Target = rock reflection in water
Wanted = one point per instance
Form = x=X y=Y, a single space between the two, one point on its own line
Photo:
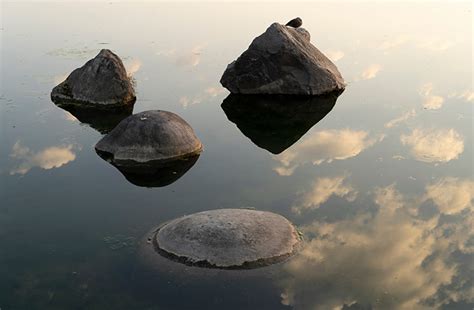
x=101 y=120
x=154 y=173
x=275 y=122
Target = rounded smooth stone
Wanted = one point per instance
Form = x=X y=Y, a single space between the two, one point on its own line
x=227 y=239
x=150 y=136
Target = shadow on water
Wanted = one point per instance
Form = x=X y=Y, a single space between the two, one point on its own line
x=153 y=174
x=101 y=120
x=276 y=122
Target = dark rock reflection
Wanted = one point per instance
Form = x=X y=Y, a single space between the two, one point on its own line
x=153 y=174
x=276 y=122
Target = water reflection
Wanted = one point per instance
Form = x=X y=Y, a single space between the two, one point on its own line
x=48 y=158
x=275 y=123
x=101 y=120
x=325 y=146
x=154 y=174
x=434 y=146
x=391 y=258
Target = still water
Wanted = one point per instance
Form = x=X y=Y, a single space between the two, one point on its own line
x=380 y=183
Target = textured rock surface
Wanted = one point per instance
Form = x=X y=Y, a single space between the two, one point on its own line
x=148 y=138
x=282 y=61
x=227 y=238
x=275 y=122
x=102 y=82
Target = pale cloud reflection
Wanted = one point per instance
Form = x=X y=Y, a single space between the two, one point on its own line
x=132 y=66
x=467 y=95
x=435 y=44
x=324 y=146
x=48 y=158
x=190 y=58
x=210 y=92
x=322 y=190
x=390 y=259
x=370 y=72
x=334 y=55
x=451 y=195
x=402 y=118
x=430 y=101
x=434 y=146
x=394 y=42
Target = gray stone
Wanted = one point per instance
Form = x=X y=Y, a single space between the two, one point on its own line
x=147 y=138
x=282 y=61
x=227 y=239
x=101 y=83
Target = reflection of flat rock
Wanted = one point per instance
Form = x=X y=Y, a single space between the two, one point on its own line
x=156 y=174
x=276 y=122
x=101 y=83
x=226 y=238
x=282 y=61
x=101 y=120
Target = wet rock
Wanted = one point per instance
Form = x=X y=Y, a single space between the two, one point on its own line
x=101 y=83
x=275 y=122
x=101 y=120
x=226 y=239
x=282 y=61
x=150 y=138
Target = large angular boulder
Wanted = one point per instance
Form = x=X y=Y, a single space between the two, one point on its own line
x=148 y=139
x=282 y=61
x=101 y=83
x=276 y=122
x=225 y=239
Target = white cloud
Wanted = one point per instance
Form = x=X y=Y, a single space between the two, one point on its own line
x=451 y=195
x=430 y=101
x=334 y=55
x=48 y=158
x=371 y=72
x=190 y=58
x=324 y=146
x=396 y=121
x=322 y=190
x=434 y=146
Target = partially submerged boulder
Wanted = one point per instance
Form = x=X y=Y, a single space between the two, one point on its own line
x=275 y=122
x=101 y=83
x=282 y=61
x=148 y=139
x=226 y=239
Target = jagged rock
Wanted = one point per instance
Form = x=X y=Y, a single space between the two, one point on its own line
x=101 y=83
x=282 y=61
x=275 y=122
x=226 y=239
x=149 y=138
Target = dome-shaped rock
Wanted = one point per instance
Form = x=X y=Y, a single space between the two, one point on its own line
x=101 y=83
x=149 y=138
x=282 y=61
x=226 y=239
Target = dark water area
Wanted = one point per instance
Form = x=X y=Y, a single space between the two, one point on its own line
x=379 y=180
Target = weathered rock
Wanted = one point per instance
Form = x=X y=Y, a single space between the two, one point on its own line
x=101 y=83
x=282 y=61
x=147 y=139
x=275 y=122
x=156 y=173
x=226 y=239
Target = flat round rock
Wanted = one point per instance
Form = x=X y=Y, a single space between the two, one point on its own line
x=149 y=136
x=227 y=239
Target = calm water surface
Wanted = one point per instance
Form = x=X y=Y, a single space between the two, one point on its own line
x=381 y=183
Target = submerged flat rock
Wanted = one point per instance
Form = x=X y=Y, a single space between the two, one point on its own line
x=101 y=83
x=149 y=138
x=227 y=239
x=282 y=61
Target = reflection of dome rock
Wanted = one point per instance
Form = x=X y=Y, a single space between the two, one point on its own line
x=101 y=120
x=225 y=239
x=101 y=83
x=149 y=136
x=282 y=61
x=157 y=174
x=274 y=122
